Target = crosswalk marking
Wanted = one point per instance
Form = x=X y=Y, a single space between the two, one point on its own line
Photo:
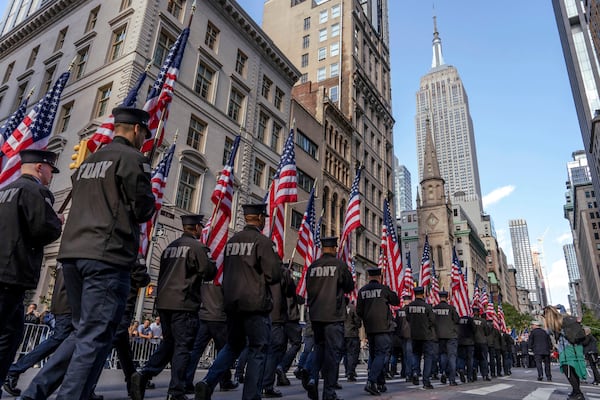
x=488 y=389
x=540 y=394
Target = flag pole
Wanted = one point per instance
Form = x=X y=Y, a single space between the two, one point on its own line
x=157 y=135
x=193 y=11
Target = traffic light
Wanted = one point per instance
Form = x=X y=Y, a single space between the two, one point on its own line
x=150 y=290
x=81 y=152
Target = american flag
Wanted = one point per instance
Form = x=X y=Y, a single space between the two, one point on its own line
x=284 y=189
x=476 y=296
x=351 y=220
x=353 y=295
x=105 y=132
x=33 y=131
x=425 y=277
x=501 y=319
x=490 y=313
x=13 y=121
x=460 y=291
x=216 y=231
x=306 y=242
x=159 y=181
x=484 y=298
x=161 y=94
x=434 y=293
x=318 y=238
x=391 y=250
x=408 y=283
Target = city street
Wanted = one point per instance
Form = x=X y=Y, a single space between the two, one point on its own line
x=522 y=384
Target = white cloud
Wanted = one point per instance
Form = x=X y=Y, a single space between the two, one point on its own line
x=497 y=194
x=565 y=238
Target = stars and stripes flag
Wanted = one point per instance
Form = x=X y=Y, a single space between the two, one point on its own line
x=318 y=249
x=32 y=132
x=306 y=242
x=484 y=298
x=351 y=220
x=490 y=313
x=158 y=180
x=284 y=189
x=408 y=283
x=216 y=231
x=425 y=277
x=476 y=297
x=434 y=293
x=460 y=290
x=391 y=250
x=13 y=121
x=160 y=96
x=106 y=132
x=501 y=319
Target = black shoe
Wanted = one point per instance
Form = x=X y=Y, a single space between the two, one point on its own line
x=352 y=377
x=500 y=375
x=282 y=380
x=371 y=388
x=540 y=378
x=95 y=396
x=334 y=397
x=228 y=385
x=487 y=378
x=549 y=379
x=271 y=393
x=150 y=385
x=298 y=373
x=462 y=376
x=453 y=384
x=443 y=379
x=189 y=389
x=434 y=377
x=415 y=380
x=337 y=386
x=311 y=389
x=138 y=386
x=10 y=385
x=305 y=379
x=428 y=386
x=202 y=391
x=578 y=396
x=177 y=397
x=381 y=387
x=239 y=379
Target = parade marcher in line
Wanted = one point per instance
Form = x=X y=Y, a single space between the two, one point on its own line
x=28 y=224
x=446 y=326
x=97 y=251
x=509 y=345
x=590 y=349
x=373 y=307
x=491 y=349
x=352 y=325
x=405 y=339
x=499 y=348
x=396 y=356
x=281 y=291
x=327 y=280
x=305 y=359
x=524 y=351
x=481 y=332
x=293 y=334
x=541 y=346
x=184 y=264
x=421 y=318
x=250 y=267
x=466 y=348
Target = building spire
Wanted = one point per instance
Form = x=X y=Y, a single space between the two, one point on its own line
x=438 y=58
x=431 y=165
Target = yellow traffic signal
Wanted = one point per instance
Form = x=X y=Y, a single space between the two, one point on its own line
x=81 y=152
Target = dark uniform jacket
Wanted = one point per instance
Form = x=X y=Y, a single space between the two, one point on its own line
x=184 y=264
x=293 y=308
x=28 y=223
x=60 y=304
x=590 y=344
x=498 y=342
x=490 y=333
x=404 y=325
x=539 y=342
x=466 y=331
x=509 y=342
x=250 y=267
x=352 y=323
x=481 y=330
x=421 y=318
x=111 y=197
x=327 y=279
x=213 y=306
x=282 y=291
x=446 y=321
x=373 y=306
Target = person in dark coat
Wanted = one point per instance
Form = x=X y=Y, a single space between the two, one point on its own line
x=523 y=349
x=466 y=348
x=293 y=334
x=250 y=267
x=421 y=318
x=184 y=264
x=481 y=345
x=28 y=224
x=540 y=344
x=590 y=349
x=373 y=307
x=405 y=340
x=446 y=326
x=509 y=345
x=352 y=325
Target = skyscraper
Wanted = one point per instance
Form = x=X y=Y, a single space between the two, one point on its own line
x=521 y=246
x=574 y=277
x=17 y=11
x=402 y=187
x=443 y=100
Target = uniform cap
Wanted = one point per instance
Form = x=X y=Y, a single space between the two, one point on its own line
x=192 y=219
x=419 y=290
x=329 y=241
x=475 y=308
x=374 y=271
x=39 y=156
x=443 y=293
x=255 y=209
x=407 y=296
x=133 y=116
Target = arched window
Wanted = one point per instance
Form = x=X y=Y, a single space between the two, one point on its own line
x=333 y=215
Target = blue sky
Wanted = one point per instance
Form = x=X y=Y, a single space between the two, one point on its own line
x=510 y=60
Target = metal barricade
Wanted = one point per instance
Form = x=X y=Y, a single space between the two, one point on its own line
x=33 y=335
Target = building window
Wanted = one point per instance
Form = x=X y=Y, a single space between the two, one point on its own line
x=335 y=30
x=334 y=94
x=306 y=23
x=60 y=40
x=236 y=102
x=266 y=87
x=196 y=133
x=102 y=100
x=275 y=135
x=118 y=40
x=323 y=16
x=304 y=62
x=306 y=42
x=227 y=149
x=8 y=72
x=204 y=77
x=272 y=172
x=20 y=94
x=259 y=170
x=212 y=35
x=304 y=78
x=186 y=189
x=175 y=7
x=322 y=53
x=162 y=48
x=334 y=49
x=82 y=57
x=334 y=70
x=296 y=219
x=323 y=35
x=33 y=56
x=307 y=145
x=321 y=74
x=65 y=117
x=92 y=19
x=278 y=100
x=125 y=4
x=240 y=63
x=335 y=11
x=305 y=181
x=49 y=78
x=263 y=120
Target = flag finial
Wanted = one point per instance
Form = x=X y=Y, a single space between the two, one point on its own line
x=31 y=92
x=176 y=134
x=72 y=64
x=148 y=66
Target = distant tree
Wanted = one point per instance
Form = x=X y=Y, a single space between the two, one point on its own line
x=589 y=319
x=516 y=319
